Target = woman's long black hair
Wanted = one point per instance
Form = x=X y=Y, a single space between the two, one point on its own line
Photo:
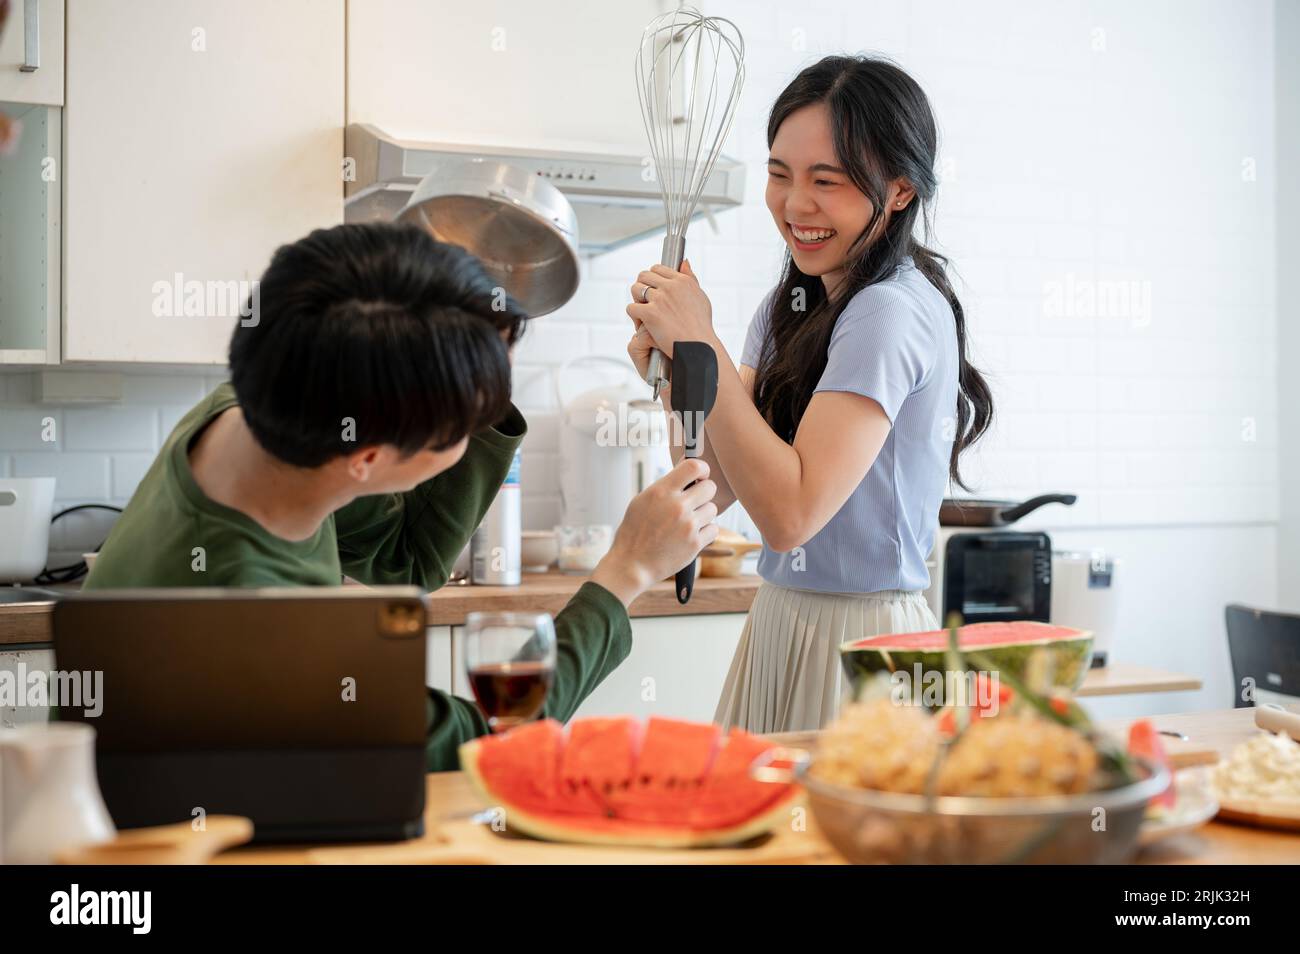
x=883 y=129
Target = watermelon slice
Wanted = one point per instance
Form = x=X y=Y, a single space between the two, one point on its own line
x=536 y=771
x=730 y=796
x=671 y=784
x=1008 y=646
x=1144 y=742
x=596 y=761
x=673 y=764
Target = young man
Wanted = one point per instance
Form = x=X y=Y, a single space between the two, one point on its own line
x=366 y=429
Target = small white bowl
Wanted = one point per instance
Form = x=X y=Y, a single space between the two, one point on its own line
x=538 y=550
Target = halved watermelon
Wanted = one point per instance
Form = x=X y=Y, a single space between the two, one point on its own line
x=1007 y=645
x=669 y=784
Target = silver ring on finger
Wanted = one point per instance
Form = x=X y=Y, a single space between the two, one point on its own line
x=645 y=294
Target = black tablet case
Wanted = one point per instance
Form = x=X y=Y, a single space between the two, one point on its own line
x=235 y=702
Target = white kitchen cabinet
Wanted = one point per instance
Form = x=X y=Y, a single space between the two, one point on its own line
x=22 y=662
x=31 y=53
x=30 y=212
x=199 y=135
x=676 y=668
x=437 y=668
x=459 y=681
x=506 y=73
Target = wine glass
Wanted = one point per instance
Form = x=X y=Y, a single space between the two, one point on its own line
x=510 y=661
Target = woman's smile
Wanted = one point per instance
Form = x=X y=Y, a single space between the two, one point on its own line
x=809 y=238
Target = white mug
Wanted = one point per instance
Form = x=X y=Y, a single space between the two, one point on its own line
x=49 y=794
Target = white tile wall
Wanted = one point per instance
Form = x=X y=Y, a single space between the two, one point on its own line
x=99 y=453
x=1084 y=146
x=1089 y=150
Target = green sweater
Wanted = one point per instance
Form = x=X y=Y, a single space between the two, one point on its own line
x=171 y=534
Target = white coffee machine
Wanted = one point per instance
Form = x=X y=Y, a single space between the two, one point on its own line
x=1084 y=596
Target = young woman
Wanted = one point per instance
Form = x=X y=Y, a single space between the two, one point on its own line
x=854 y=398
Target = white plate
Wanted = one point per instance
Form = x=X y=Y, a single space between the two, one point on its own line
x=1194 y=807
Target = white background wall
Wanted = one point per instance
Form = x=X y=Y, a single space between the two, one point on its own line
x=1086 y=142
x=1288 y=307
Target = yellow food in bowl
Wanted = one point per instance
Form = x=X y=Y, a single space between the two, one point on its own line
x=888 y=747
x=1017 y=755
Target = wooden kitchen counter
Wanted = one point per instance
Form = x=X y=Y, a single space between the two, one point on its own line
x=24 y=623
x=449 y=794
x=1121 y=678
x=29 y=624
x=548 y=592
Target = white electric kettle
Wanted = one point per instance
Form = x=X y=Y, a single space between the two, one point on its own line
x=613 y=443
x=49 y=795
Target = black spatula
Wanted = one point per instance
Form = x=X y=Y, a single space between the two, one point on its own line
x=694 y=389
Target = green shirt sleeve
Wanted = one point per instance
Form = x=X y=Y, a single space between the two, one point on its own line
x=415 y=537
x=593 y=635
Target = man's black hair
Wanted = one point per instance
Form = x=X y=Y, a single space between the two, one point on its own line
x=372 y=334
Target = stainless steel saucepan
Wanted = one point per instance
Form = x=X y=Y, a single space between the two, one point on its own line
x=520 y=226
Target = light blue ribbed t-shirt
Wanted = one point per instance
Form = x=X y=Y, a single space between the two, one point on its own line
x=895 y=342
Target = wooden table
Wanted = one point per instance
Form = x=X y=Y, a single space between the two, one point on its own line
x=1122 y=678
x=449 y=793
x=1218 y=843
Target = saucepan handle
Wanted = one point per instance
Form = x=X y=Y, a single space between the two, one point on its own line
x=1012 y=514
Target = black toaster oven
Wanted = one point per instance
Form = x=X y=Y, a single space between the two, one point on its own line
x=996 y=576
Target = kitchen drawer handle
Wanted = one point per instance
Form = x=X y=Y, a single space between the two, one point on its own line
x=31 y=36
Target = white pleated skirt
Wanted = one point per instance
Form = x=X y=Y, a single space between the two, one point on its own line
x=786 y=674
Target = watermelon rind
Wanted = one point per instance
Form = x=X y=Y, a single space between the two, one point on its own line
x=598 y=830
x=1071 y=655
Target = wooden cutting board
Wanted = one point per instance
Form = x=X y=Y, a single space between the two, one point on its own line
x=178 y=844
x=463 y=841
x=1190 y=753
x=1206 y=742
x=451 y=837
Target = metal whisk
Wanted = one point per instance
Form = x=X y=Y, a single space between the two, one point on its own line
x=689 y=72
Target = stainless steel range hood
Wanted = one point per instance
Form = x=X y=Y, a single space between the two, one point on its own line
x=614 y=201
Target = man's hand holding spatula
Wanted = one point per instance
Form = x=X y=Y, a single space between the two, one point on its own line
x=693 y=372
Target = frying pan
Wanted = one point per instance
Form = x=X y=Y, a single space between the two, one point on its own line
x=518 y=225
x=959 y=512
